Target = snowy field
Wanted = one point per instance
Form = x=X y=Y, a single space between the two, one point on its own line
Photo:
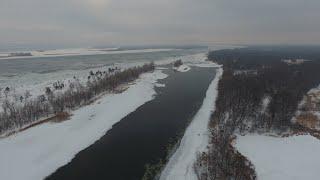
x=34 y=84
x=90 y=51
x=40 y=150
x=75 y=52
x=195 y=139
x=37 y=152
x=291 y=158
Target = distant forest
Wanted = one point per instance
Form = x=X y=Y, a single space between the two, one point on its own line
x=259 y=92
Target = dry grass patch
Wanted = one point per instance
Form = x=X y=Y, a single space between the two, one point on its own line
x=60 y=117
x=308 y=120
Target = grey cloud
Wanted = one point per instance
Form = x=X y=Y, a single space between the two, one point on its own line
x=96 y=22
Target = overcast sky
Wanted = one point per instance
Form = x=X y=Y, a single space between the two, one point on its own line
x=120 y=22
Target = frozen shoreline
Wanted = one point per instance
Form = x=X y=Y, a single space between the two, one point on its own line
x=195 y=139
x=39 y=151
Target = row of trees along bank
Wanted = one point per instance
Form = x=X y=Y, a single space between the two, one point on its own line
x=15 y=117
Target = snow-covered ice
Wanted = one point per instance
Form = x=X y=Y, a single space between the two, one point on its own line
x=192 y=59
x=77 y=52
x=195 y=139
x=37 y=152
x=276 y=158
x=182 y=68
x=36 y=83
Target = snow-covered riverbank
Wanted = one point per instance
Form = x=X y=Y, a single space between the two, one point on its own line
x=182 y=68
x=195 y=139
x=31 y=85
x=39 y=151
x=295 y=157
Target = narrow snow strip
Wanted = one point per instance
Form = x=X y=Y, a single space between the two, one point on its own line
x=39 y=151
x=276 y=158
x=195 y=139
x=206 y=64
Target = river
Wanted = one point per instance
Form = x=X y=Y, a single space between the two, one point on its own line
x=143 y=136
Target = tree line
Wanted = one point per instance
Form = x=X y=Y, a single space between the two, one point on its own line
x=17 y=116
x=239 y=106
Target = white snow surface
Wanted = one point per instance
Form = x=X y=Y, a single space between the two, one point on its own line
x=195 y=139
x=37 y=152
x=182 y=68
x=77 y=52
x=265 y=103
x=36 y=83
x=274 y=158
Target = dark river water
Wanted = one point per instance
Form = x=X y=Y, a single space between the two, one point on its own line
x=142 y=137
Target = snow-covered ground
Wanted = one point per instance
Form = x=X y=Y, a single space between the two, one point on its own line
x=75 y=52
x=308 y=113
x=37 y=152
x=35 y=83
x=182 y=68
x=274 y=158
x=265 y=103
x=195 y=139
x=197 y=59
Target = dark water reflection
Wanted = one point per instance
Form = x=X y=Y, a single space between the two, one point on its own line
x=143 y=135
